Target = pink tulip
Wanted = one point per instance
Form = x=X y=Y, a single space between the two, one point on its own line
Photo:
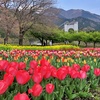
x=33 y=64
x=82 y=74
x=85 y=68
x=3 y=86
x=37 y=77
x=97 y=71
x=22 y=77
x=22 y=65
x=36 y=90
x=49 y=88
x=22 y=96
x=9 y=78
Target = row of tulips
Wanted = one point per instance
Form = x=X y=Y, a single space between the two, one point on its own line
x=56 y=58
x=44 y=81
x=69 y=53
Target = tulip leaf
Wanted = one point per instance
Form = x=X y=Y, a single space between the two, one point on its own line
x=73 y=96
x=62 y=89
x=94 y=83
x=85 y=94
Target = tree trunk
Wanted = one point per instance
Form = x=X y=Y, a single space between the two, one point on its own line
x=46 y=42
x=79 y=43
x=21 y=35
x=94 y=44
x=5 y=41
x=41 y=40
x=6 y=38
x=21 y=39
x=85 y=44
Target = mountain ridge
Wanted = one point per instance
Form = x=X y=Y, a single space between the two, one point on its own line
x=86 y=19
x=74 y=13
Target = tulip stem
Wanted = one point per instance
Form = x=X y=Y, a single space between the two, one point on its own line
x=19 y=87
x=80 y=84
x=47 y=96
x=1 y=97
x=36 y=98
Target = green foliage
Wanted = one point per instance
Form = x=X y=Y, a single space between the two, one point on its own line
x=93 y=37
x=71 y=30
x=2 y=34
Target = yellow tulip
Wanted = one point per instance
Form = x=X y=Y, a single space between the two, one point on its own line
x=0 y=58
x=95 y=60
x=84 y=62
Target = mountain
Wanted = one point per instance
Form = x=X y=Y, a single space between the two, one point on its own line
x=86 y=19
x=74 y=13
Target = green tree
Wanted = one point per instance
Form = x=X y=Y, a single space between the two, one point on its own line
x=42 y=32
x=94 y=37
x=85 y=37
x=71 y=30
x=58 y=35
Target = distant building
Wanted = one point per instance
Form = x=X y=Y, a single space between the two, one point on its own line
x=69 y=25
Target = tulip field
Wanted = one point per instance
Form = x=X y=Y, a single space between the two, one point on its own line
x=50 y=74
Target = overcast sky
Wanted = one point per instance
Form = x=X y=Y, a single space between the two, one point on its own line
x=92 y=6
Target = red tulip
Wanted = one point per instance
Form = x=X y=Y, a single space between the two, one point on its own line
x=43 y=70
x=61 y=74
x=76 y=67
x=69 y=69
x=33 y=64
x=82 y=74
x=3 y=86
x=9 y=78
x=74 y=73
x=37 y=77
x=3 y=65
x=97 y=71
x=22 y=77
x=49 y=88
x=37 y=70
x=14 y=65
x=86 y=68
x=11 y=70
x=22 y=96
x=31 y=71
x=44 y=62
x=48 y=73
x=36 y=90
x=30 y=91
x=53 y=72
x=22 y=65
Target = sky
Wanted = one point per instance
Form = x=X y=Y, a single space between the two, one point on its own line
x=92 y=6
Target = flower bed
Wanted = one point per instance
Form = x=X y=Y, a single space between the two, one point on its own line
x=55 y=47
x=50 y=75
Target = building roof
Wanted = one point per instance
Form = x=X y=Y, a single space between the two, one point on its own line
x=68 y=23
